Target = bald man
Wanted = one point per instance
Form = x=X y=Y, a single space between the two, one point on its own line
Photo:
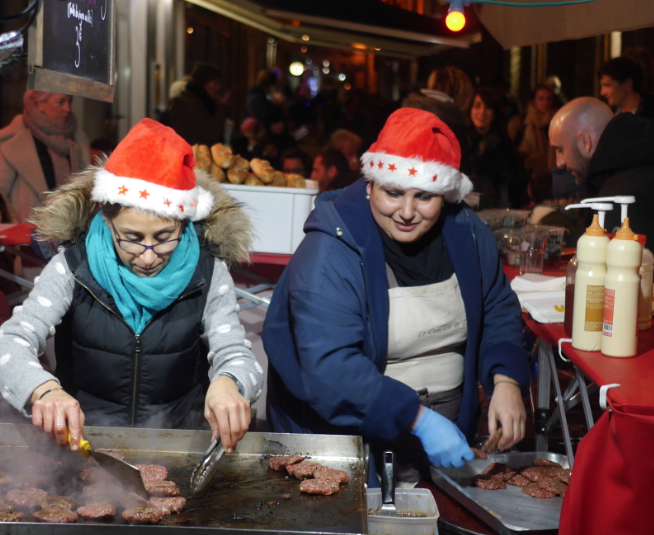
x=611 y=155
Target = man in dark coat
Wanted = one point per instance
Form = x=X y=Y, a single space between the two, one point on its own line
x=613 y=156
x=198 y=115
x=622 y=80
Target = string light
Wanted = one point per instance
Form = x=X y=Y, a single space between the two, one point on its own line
x=456 y=19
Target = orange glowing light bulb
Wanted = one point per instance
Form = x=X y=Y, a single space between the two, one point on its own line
x=455 y=21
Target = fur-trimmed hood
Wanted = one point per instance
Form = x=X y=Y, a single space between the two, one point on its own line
x=67 y=211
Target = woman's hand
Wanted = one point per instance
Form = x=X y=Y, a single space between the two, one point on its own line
x=227 y=412
x=507 y=408
x=57 y=412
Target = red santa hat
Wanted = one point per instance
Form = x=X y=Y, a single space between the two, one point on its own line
x=415 y=149
x=153 y=169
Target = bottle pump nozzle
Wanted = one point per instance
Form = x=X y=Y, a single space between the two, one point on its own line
x=623 y=200
x=601 y=208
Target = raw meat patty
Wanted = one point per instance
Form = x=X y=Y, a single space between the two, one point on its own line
x=56 y=515
x=96 y=511
x=534 y=474
x=518 y=480
x=95 y=476
x=168 y=505
x=143 y=515
x=553 y=485
x=57 y=501
x=479 y=454
x=500 y=471
x=302 y=470
x=152 y=471
x=319 y=486
x=488 y=483
x=155 y=487
x=11 y=517
x=535 y=491
x=545 y=463
x=282 y=461
x=322 y=472
x=26 y=498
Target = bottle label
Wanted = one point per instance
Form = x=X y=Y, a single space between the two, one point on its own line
x=594 y=308
x=609 y=307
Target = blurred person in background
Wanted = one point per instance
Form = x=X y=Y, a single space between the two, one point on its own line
x=39 y=151
x=452 y=85
x=554 y=83
x=349 y=144
x=328 y=166
x=198 y=114
x=534 y=145
x=621 y=80
x=494 y=160
x=258 y=103
x=277 y=140
x=296 y=162
x=644 y=59
x=249 y=143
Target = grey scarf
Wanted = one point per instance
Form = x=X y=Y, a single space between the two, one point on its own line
x=66 y=154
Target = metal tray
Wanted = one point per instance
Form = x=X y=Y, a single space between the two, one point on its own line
x=244 y=494
x=506 y=510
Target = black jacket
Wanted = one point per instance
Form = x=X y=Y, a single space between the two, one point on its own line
x=156 y=379
x=623 y=164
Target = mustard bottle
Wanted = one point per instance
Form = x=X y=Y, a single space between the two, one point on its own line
x=621 y=292
x=589 y=288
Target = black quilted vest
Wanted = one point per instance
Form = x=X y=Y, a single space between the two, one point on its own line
x=156 y=379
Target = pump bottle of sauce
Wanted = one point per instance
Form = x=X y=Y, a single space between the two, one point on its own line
x=589 y=288
x=621 y=292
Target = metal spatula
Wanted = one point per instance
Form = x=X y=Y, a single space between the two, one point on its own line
x=388 y=486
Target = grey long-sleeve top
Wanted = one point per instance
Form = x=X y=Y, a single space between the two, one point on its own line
x=23 y=336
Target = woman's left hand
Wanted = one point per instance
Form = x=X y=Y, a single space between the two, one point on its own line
x=507 y=409
x=227 y=412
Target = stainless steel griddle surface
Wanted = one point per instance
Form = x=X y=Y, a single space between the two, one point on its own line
x=244 y=495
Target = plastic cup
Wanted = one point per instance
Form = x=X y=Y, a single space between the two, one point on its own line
x=531 y=261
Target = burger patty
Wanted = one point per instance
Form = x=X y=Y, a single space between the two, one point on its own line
x=545 y=463
x=152 y=471
x=500 y=471
x=96 y=511
x=302 y=470
x=323 y=472
x=534 y=474
x=535 y=491
x=282 y=461
x=96 y=476
x=325 y=487
x=11 y=517
x=56 y=515
x=564 y=475
x=5 y=507
x=553 y=485
x=154 y=487
x=488 y=483
x=131 y=500
x=168 y=505
x=518 y=480
x=143 y=515
x=26 y=498
x=57 y=501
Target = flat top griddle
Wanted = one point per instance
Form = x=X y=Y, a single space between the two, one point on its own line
x=244 y=494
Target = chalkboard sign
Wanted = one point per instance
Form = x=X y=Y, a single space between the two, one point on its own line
x=71 y=48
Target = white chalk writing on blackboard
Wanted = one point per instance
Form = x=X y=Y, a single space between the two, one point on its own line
x=74 y=12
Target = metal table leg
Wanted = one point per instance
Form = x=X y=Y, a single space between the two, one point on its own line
x=543 y=405
x=560 y=402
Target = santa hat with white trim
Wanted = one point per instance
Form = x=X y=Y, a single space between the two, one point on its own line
x=152 y=169
x=415 y=149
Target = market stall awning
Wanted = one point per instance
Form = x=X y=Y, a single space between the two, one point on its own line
x=372 y=25
x=523 y=26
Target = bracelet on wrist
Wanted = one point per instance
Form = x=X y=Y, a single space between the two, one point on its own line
x=48 y=391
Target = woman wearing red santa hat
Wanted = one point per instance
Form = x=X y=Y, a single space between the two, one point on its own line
x=394 y=307
x=140 y=299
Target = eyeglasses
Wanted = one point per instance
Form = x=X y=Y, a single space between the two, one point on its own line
x=138 y=249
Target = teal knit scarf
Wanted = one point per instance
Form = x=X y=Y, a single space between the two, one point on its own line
x=139 y=298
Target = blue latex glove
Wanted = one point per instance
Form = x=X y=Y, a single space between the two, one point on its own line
x=442 y=440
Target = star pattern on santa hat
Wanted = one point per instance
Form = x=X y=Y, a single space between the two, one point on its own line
x=372 y=164
x=434 y=178
x=391 y=167
x=144 y=194
x=380 y=164
x=167 y=202
x=181 y=207
x=122 y=190
x=413 y=171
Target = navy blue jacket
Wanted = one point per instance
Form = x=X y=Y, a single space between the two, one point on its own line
x=326 y=331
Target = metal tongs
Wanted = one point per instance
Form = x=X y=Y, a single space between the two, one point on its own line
x=207 y=467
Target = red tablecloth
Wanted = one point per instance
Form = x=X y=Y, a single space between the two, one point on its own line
x=18 y=234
